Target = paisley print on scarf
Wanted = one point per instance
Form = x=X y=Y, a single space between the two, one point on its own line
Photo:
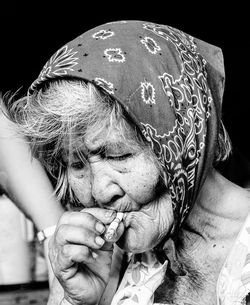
x=147 y=93
x=157 y=73
x=60 y=64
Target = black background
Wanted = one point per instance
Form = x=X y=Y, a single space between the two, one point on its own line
x=32 y=32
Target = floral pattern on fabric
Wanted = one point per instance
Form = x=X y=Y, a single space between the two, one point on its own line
x=140 y=281
x=157 y=73
x=115 y=55
x=103 y=34
x=151 y=45
x=233 y=284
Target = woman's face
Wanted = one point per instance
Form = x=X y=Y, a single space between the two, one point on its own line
x=117 y=177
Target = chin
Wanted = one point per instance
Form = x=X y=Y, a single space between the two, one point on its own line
x=131 y=242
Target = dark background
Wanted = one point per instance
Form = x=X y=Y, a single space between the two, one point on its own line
x=32 y=32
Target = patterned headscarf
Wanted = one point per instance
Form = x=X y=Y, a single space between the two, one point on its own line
x=170 y=83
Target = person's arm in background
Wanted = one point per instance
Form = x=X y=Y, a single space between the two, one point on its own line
x=25 y=181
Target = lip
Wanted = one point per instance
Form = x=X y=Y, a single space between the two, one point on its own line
x=123 y=206
x=125 y=214
x=128 y=217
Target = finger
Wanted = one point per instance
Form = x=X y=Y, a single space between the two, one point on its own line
x=82 y=219
x=70 y=234
x=104 y=215
x=108 y=246
x=71 y=254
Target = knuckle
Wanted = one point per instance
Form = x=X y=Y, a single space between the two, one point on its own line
x=61 y=236
x=85 y=251
x=65 y=251
x=87 y=216
x=62 y=231
x=66 y=217
x=86 y=237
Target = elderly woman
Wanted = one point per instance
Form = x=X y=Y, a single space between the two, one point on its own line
x=127 y=117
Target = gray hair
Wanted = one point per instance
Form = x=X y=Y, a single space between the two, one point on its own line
x=63 y=110
x=66 y=109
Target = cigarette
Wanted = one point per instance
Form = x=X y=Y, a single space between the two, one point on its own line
x=111 y=231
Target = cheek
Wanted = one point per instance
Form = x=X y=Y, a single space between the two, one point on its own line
x=144 y=229
x=80 y=184
x=141 y=183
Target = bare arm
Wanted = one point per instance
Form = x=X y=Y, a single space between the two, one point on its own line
x=25 y=180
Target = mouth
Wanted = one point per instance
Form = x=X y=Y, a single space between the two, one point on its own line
x=126 y=205
x=128 y=218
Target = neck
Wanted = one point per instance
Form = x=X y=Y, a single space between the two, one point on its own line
x=205 y=240
x=219 y=211
x=212 y=226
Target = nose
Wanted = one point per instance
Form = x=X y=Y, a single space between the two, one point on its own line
x=105 y=188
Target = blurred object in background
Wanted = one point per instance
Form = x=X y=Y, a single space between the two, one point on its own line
x=24 y=294
x=15 y=256
x=21 y=257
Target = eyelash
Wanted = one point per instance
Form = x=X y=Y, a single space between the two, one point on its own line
x=119 y=158
x=80 y=165
x=77 y=165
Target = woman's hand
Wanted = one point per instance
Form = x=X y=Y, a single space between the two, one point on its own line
x=80 y=257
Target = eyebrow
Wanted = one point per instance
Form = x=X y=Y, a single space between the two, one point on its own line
x=109 y=145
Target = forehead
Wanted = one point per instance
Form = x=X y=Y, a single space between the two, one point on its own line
x=109 y=139
x=114 y=143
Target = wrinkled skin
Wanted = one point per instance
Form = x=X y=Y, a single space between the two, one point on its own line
x=114 y=179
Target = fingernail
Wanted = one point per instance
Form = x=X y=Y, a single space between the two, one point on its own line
x=94 y=255
x=99 y=241
x=99 y=227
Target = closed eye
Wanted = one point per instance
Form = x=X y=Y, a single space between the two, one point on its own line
x=77 y=165
x=119 y=157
